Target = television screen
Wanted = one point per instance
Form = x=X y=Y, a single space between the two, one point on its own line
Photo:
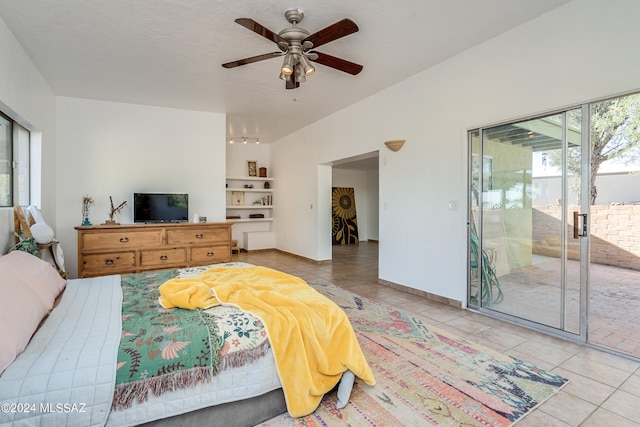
x=160 y=207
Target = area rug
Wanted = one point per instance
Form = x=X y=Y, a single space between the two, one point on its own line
x=426 y=376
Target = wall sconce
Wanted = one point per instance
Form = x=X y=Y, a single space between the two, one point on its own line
x=395 y=145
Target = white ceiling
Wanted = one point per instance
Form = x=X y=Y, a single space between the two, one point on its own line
x=169 y=52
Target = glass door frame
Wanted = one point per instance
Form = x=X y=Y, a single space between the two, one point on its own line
x=585 y=147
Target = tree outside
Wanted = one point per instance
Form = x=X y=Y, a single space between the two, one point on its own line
x=615 y=136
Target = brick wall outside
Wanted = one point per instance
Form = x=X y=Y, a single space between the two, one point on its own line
x=615 y=234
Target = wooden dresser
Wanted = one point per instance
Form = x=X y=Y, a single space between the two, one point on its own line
x=132 y=248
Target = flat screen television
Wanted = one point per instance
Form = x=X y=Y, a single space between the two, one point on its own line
x=160 y=207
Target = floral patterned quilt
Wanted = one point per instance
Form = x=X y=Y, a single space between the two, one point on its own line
x=167 y=349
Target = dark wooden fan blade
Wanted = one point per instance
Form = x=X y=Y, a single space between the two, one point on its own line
x=260 y=30
x=244 y=61
x=332 y=32
x=337 y=63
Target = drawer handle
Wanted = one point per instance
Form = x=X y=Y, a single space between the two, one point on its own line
x=210 y=253
x=199 y=236
x=164 y=257
x=124 y=239
x=108 y=261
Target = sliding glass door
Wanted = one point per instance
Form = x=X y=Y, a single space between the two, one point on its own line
x=614 y=226
x=554 y=223
x=524 y=261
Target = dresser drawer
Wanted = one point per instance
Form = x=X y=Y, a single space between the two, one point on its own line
x=210 y=254
x=121 y=249
x=198 y=236
x=121 y=240
x=115 y=262
x=159 y=257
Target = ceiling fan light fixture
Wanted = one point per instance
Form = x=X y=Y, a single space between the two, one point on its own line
x=288 y=65
x=300 y=74
x=308 y=68
x=295 y=44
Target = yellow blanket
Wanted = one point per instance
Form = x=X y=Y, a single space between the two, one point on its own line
x=312 y=339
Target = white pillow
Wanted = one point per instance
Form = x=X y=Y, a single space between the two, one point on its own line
x=36 y=214
x=344 y=389
x=42 y=232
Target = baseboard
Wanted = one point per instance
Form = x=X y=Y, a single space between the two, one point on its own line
x=327 y=261
x=424 y=294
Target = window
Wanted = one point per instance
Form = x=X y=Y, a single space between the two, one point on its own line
x=14 y=163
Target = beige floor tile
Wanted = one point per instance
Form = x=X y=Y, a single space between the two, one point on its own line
x=541 y=419
x=568 y=408
x=585 y=388
x=502 y=337
x=609 y=359
x=549 y=354
x=442 y=314
x=624 y=404
x=632 y=385
x=469 y=325
x=603 y=418
x=598 y=371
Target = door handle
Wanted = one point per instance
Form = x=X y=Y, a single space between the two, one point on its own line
x=576 y=227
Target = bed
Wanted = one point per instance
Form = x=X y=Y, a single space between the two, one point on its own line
x=110 y=354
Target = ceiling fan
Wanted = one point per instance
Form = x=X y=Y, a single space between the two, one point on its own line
x=297 y=46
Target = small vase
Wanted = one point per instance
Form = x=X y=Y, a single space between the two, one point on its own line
x=85 y=218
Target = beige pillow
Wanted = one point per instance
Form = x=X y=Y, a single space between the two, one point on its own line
x=28 y=289
x=35 y=273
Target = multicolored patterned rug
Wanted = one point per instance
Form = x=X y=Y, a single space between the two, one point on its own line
x=426 y=376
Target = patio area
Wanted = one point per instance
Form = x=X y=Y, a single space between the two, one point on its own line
x=534 y=293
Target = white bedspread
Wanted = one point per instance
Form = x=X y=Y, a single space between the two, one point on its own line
x=66 y=375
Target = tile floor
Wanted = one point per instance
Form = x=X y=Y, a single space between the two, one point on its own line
x=614 y=305
x=604 y=390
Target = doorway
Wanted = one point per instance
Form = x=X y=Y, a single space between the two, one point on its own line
x=361 y=174
x=518 y=257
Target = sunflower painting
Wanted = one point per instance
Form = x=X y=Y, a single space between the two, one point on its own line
x=345 y=224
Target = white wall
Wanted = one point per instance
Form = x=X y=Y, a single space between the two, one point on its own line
x=238 y=154
x=28 y=99
x=114 y=149
x=562 y=58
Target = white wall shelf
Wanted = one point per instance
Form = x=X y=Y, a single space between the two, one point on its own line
x=250 y=220
x=251 y=190
x=255 y=228
x=248 y=178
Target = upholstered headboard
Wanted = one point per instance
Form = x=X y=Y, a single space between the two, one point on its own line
x=6 y=230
